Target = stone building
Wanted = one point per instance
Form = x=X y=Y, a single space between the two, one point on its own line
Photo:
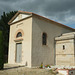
x=65 y=49
x=33 y=40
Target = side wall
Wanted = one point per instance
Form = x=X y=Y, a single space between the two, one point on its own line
x=66 y=56
x=41 y=53
x=26 y=27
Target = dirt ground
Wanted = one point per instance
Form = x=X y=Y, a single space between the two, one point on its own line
x=22 y=70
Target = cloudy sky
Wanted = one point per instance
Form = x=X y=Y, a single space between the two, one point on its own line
x=62 y=11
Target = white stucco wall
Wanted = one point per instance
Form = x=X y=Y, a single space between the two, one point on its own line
x=40 y=53
x=26 y=26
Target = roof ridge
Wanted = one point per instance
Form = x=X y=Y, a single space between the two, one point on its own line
x=25 y=12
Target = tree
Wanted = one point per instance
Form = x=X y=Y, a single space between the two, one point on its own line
x=1 y=51
x=4 y=27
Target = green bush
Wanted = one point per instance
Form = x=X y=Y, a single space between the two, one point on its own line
x=1 y=51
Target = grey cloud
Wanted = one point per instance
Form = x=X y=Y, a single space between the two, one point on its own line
x=58 y=10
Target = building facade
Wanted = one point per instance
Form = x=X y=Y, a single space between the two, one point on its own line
x=32 y=39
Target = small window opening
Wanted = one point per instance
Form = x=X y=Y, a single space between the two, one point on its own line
x=44 y=39
x=63 y=47
x=19 y=34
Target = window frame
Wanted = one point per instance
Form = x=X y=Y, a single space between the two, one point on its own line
x=44 y=38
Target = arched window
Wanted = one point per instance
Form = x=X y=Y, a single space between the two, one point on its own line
x=19 y=34
x=44 y=38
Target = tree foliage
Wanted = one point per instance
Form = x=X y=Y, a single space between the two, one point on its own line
x=4 y=27
x=1 y=51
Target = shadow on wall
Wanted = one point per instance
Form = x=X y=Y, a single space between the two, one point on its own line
x=26 y=63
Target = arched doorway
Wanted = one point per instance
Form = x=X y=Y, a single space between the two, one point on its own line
x=18 y=41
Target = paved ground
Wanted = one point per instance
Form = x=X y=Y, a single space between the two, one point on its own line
x=17 y=70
